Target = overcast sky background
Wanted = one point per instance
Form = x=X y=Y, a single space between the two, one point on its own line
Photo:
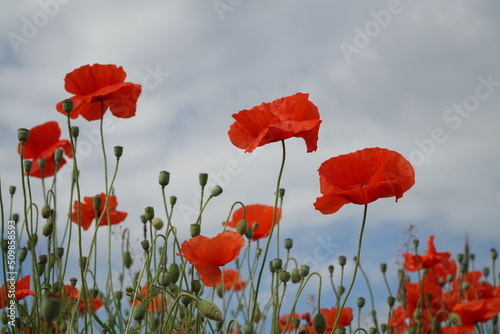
x=388 y=74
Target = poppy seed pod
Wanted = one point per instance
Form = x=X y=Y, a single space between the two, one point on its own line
x=203 y=178
x=342 y=260
x=83 y=262
x=360 y=302
x=46 y=211
x=59 y=252
x=494 y=254
x=288 y=243
x=43 y=259
x=248 y=329
x=173 y=200
x=75 y=131
x=27 y=165
x=118 y=151
x=41 y=163
x=186 y=300
x=23 y=253
x=23 y=135
x=209 y=310
x=12 y=190
x=216 y=191
x=40 y=269
x=383 y=327
x=304 y=270
x=195 y=230
x=390 y=301
x=96 y=203
x=295 y=275
x=58 y=155
x=67 y=106
x=277 y=264
x=330 y=269
x=73 y=281
x=149 y=213
x=281 y=193
x=383 y=267
x=319 y=323
x=145 y=245
x=51 y=306
x=174 y=270
x=164 y=178
x=486 y=272
x=15 y=217
x=285 y=276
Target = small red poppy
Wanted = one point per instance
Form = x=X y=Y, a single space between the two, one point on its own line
x=99 y=87
x=208 y=254
x=263 y=215
x=330 y=316
x=415 y=262
x=232 y=280
x=88 y=214
x=42 y=142
x=292 y=116
x=362 y=177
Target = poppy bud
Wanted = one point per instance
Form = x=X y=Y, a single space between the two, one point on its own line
x=157 y=223
x=209 y=310
x=203 y=178
x=12 y=190
x=304 y=270
x=118 y=151
x=145 y=245
x=258 y=251
x=455 y=319
x=196 y=286
x=296 y=323
x=59 y=252
x=75 y=131
x=248 y=329
x=372 y=330
x=164 y=178
x=127 y=259
x=415 y=243
x=249 y=233
x=27 y=165
x=285 y=276
x=173 y=200
x=23 y=252
x=417 y=315
x=494 y=254
x=41 y=163
x=67 y=106
x=58 y=155
x=277 y=263
x=383 y=267
x=340 y=290
x=216 y=191
x=383 y=328
x=185 y=300
x=143 y=219
x=96 y=203
x=319 y=323
x=412 y=329
x=242 y=227
x=360 y=302
x=46 y=211
x=149 y=213
x=450 y=278
x=195 y=230
x=288 y=243
x=330 y=269
x=23 y=135
x=175 y=271
x=220 y=290
x=164 y=278
x=118 y=295
x=51 y=306
x=342 y=260
x=48 y=228
x=460 y=258
x=139 y=313
x=465 y=285
x=295 y=275
x=40 y=269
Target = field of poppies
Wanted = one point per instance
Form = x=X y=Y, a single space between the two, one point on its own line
x=232 y=282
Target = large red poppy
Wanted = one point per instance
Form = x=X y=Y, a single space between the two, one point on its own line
x=208 y=254
x=263 y=215
x=292 y=116
x=88 y=214
x=362 y=177
x=42 y=142
x=99 y=87
x=22 y=290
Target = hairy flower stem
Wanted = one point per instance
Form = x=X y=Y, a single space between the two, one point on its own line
x=266 y=251
x=360 y=243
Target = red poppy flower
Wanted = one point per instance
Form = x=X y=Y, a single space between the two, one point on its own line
x=155 y=304
x=292 y=116
x=263 y=215
x=43 y=141
x=99 y=87
x=22 y=291
x=72 y=294
x=363 y=177
x=208 y=254
x=88 y=214
x=430 y=259
x=232 y=280
x=330 y=316
x=473 y=312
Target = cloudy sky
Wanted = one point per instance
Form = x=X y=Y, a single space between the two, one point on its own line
x=418 y=77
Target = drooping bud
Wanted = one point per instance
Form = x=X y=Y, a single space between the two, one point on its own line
x=164 y=178
x=157 y=223
x=46 y=211
x=319 y=323
x=67 y=106
x=209 y=310
x=175 y=271
x=127 y=259
x=139 y=313
x=48 y=228
x=455 y=319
